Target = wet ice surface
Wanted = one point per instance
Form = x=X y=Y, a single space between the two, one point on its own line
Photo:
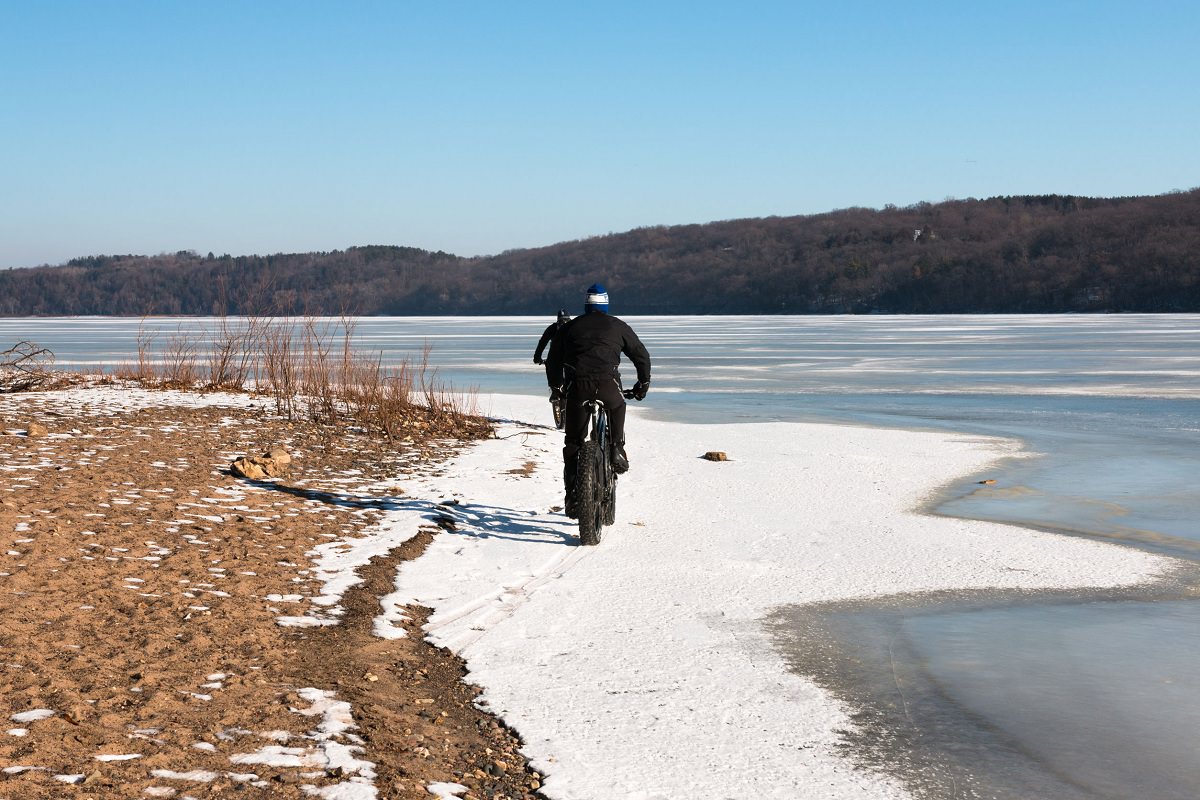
x=1104 y=692
x=1089 y=696
x=1130 y=484
x=1130 y=354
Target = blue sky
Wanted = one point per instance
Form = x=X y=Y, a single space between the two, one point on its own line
x=476 y=127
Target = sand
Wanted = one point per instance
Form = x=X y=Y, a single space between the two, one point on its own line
x=142 y=589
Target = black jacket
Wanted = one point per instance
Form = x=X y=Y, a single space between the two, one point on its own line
x=590 y=347
x=547 y=335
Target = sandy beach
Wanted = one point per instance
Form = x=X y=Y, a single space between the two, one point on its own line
x=169 y=629
x=174 y=631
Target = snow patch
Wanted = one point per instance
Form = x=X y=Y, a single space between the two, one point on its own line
x=34 y=715
x=326 y=751
x=196 y=775
x=335 y=566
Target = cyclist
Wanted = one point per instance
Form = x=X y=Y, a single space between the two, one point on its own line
x=548 y=334
x=584 y=358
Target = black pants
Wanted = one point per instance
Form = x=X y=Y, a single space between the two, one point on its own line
x=607 y=390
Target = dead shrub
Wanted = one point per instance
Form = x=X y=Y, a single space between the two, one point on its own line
x=26 y=367
x=312 y=371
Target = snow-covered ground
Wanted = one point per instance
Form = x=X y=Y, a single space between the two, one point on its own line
x=640 y=669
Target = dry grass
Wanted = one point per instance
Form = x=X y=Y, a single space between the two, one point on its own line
x=312 y=371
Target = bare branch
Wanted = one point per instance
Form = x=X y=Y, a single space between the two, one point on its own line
x=25 y=366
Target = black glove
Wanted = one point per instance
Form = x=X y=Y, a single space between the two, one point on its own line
x=556 y=394
x=639 y=390
x=538 y=360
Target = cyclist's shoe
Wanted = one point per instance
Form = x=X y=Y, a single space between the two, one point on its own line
x=620 y=461
x=558 y=405
x=571 y=505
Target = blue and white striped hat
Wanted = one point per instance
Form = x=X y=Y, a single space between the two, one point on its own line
x=597 y=298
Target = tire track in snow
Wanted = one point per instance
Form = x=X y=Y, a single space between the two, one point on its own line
x=477 y=617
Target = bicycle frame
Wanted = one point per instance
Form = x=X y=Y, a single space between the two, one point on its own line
x=606 y=477
x=599 y=425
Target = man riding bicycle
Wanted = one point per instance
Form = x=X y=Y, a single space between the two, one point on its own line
x=583 y=362
x=548 y=334
x=547 y=338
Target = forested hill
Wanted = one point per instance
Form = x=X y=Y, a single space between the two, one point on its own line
x=1006 y=254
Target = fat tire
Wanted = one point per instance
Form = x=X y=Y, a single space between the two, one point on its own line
x=587 y=495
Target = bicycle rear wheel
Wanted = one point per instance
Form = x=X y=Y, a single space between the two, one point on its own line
x=588 y=495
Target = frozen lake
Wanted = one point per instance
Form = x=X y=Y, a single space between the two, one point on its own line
x=1111 y=403
x=1013 y=697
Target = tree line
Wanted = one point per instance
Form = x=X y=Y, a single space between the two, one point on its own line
x=1019 y=254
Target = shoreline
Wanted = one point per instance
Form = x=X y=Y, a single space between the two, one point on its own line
x=957 y=489
x=1018 y=451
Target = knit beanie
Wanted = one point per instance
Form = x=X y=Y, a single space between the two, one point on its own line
x=596 y=299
